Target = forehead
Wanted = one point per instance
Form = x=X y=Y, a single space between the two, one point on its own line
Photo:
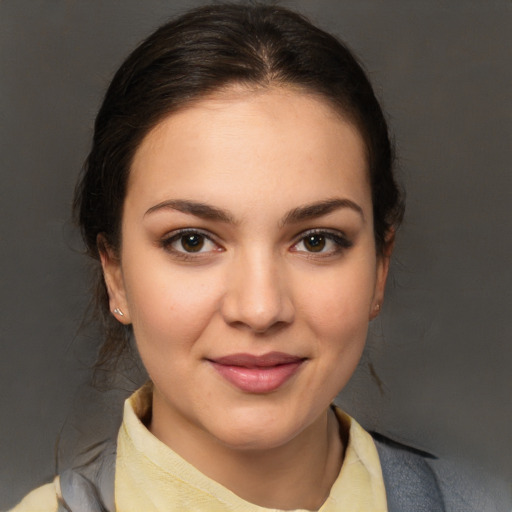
x=241 y=141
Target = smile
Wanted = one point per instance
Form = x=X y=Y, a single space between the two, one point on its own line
x=257 y=374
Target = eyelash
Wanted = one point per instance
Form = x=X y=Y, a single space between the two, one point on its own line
x=167 y=242
x=338 y=238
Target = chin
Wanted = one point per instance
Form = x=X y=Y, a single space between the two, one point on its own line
x=251 y=440
x=255 y=430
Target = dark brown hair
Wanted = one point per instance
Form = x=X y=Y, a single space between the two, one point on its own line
x=206 y=49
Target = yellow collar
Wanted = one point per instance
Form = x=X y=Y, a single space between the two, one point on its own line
x=152 y=477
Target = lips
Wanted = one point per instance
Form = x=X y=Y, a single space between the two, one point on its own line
x=257 y=374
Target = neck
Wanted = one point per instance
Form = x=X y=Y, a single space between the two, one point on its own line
x=297 y=474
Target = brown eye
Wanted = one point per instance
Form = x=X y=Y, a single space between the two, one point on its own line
x=314 y=243
x=189 y=242
x=322 y=243
x=192 y=242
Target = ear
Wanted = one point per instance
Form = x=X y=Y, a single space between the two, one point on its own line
x=114 y=281
x=383 y=260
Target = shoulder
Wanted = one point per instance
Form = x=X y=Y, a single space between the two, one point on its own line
x=412 y=476
x=398 y=457
x=42 y=499
x=404 y=473
x=410 y=482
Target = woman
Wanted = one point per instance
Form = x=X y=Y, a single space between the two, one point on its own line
x=239 y=195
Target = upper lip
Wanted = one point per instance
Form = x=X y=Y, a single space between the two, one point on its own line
x=253 y=361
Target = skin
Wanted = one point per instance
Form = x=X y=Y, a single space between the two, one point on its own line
x=254 y=287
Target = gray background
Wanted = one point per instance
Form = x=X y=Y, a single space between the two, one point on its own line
x=442 y=346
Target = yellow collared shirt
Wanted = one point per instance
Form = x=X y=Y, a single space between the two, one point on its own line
x=152 y=477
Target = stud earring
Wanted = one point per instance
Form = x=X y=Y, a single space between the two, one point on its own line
x=117 y=311
x=377 y=307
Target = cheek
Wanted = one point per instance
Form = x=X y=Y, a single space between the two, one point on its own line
x=338 y=318
x=336 y=308
x=341 y=301
x=169 y=310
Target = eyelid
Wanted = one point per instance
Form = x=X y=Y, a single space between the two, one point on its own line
x=168 y=239
x=338 y=237
x=321 y=231
x=185 y=231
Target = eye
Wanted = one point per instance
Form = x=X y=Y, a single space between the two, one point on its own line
x=322 y=242
x=192 y=242
x=314 y=243
x=189 y=242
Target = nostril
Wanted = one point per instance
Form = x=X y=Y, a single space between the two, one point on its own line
x=255 y=298
x=259 y=321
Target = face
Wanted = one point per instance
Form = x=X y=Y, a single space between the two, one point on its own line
x=248 y=265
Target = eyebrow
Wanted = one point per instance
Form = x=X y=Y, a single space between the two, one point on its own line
x=201 y=210
x=320 y=208
x=299 y=214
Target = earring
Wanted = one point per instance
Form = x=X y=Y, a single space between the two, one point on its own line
x=377 y=307
x=117 y=311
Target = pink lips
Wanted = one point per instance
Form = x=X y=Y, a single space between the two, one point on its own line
x=257 y=374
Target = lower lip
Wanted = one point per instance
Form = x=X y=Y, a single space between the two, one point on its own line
x=258 y=380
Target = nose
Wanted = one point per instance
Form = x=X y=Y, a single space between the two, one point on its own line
x=257 y=294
